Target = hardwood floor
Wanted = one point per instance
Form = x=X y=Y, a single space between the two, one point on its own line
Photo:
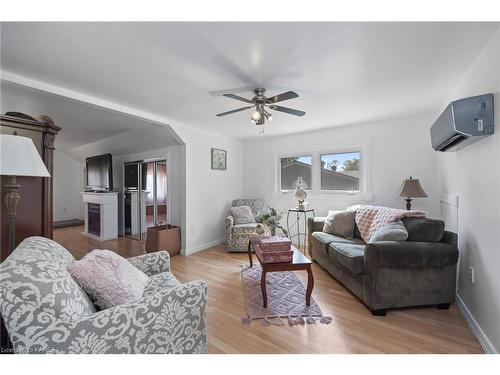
x=354 y=329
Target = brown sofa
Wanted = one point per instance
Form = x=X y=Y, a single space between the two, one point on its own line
x=390 y=274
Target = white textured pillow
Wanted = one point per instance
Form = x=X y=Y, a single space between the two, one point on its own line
x=395 y=231
x=109 y=279
x=242 y=215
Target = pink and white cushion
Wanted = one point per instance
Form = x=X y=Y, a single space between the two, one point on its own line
x=109 y=279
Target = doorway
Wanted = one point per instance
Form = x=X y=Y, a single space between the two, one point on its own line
x=145 y=198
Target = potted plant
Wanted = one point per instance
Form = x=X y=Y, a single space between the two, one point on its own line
x=271 y=218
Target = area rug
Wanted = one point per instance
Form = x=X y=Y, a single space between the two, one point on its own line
x=286 y=298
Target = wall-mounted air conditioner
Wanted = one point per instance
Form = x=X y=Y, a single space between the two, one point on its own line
x=463 y=122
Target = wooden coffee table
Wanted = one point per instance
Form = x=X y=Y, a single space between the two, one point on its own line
x=299 y=263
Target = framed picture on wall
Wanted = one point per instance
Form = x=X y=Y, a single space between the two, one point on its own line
x=219 y=159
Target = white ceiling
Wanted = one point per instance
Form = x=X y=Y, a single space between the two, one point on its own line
x=345 y=73
x=82 y=123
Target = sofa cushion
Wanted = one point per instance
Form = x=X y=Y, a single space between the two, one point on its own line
x=242 y=215
x=395 y=231
x=324 y=239
x=340 y=223
x=160 y=281
x=351 y=256
x=108 y=278
x=421 y=229
x=36 y=275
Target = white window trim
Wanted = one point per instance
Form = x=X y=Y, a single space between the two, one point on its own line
x=362 y=169
x=293 y=155
x=364 y=148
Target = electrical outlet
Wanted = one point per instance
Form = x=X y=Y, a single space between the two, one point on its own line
x=471 y=274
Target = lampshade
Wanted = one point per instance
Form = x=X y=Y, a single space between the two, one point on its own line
x=412 y=189
x=19 y=157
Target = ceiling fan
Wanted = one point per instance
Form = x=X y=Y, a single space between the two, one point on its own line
x=260 y=103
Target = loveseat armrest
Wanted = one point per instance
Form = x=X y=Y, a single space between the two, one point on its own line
x=315 y=224
x=152 y=263
x=409 y=254
x=171 y=321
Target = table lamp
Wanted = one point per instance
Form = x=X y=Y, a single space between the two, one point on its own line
x=18 y=157
x=412 y=189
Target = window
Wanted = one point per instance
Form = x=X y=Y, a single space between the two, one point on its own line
x=340 y=171
x=291 y=168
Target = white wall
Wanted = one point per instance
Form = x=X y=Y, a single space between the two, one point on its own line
x=67 y=184
x=473 y=174
x=396 y=149
x=209 y=192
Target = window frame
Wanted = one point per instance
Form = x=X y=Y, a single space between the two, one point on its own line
x=294 y=155
x=361 y=189
x=365 y=187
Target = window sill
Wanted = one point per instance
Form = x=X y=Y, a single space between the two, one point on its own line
x=365 y=197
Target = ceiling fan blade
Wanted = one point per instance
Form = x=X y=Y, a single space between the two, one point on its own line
x=234 y=111
x=283 y=96
x=232 y=96
x=287 y=110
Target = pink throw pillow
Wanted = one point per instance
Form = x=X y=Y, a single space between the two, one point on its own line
x=108 y=278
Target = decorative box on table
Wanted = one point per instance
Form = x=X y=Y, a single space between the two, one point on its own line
x=275 y=243
x=268 y=256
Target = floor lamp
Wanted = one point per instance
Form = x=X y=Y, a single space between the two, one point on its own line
x=18 y=157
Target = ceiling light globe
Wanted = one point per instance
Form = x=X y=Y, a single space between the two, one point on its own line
x=255 y=116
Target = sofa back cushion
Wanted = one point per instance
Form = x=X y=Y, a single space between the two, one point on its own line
x=421 y=229
x=36 y=274
x=340 y=223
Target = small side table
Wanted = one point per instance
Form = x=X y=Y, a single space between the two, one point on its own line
x=299 y=213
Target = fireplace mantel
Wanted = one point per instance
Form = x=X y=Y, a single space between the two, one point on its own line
x=106 y=228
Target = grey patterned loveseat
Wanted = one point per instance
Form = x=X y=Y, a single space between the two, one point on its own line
x=237 y=235
x=45 y=311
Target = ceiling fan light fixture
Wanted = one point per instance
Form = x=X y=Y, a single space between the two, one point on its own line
x=268 y=116
x=256 y=116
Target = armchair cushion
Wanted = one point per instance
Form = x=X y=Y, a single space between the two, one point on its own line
x=108 y=278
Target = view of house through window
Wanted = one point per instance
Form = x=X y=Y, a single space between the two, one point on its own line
x=340 y=171
x=294 y=167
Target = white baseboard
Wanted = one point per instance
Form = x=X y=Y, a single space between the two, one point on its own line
x=202 y=246
x=474 y=326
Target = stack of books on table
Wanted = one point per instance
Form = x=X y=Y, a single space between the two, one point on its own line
x=274 y=249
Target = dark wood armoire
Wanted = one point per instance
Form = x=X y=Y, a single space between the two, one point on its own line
x=34 y=213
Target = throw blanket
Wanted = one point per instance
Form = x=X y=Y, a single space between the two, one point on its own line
x=369 y=219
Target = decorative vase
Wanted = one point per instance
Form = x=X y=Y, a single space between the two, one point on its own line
x=273 y=230
x=301 y=196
